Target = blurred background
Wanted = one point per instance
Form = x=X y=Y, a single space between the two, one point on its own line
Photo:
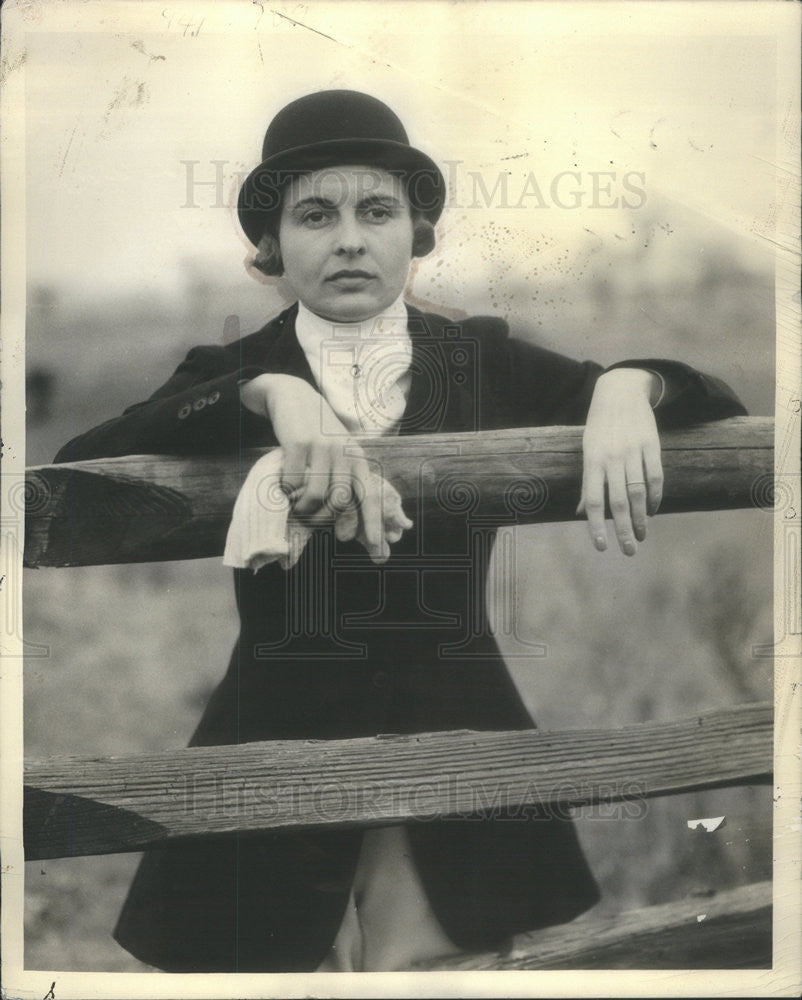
x=610 y=189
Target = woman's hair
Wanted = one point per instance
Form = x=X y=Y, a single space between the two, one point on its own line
x=268 y=253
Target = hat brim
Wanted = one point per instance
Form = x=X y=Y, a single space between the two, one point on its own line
x=260 y=195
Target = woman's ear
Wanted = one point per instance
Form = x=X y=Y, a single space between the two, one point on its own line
x=268 y=257
x=423 y=240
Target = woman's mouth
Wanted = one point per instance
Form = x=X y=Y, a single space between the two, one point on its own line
x=350 y=278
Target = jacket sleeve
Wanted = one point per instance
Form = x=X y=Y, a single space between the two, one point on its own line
x=529 y=386
x=197 y=411
x=690 y=396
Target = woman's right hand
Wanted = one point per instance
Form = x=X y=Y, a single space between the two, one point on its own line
x=325 y=469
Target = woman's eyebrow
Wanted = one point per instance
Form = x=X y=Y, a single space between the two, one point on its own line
x=387 y=200
x=312 y=200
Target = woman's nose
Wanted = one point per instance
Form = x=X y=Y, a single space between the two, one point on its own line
x=350 y=238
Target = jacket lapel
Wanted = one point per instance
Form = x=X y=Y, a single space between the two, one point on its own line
x=441 y=393
x=284 y=353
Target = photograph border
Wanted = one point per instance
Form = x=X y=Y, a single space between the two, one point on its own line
x=783 y=228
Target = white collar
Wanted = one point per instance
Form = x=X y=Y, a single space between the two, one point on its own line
x=390 y=322
x=362 y=369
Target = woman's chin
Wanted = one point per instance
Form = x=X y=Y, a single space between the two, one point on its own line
x=350 y=308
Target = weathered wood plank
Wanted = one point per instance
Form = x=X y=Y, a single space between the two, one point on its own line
x=84 y=805
x=730 y=930
x=144 y=507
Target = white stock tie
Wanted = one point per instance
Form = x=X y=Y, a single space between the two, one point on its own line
x=362 y=369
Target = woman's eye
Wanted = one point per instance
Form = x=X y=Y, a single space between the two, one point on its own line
x=315 y=218
x=378 y=213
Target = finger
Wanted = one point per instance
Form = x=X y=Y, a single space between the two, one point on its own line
x=293 y=472
x=636 y=494
x=620 y=509
x=347 y=525
x=393 y=532
x=342 y=501
x=370 y=510
x=317 y=480
x=653 y=467
x=341 y=494
x=580 y=507
x=373 y=527
x=395 y=521
x=404 y=522
x=593 y=505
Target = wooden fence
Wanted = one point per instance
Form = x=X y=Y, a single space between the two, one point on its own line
x=142 y=508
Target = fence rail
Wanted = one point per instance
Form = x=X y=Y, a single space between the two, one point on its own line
x=142 y=508
x=84 y=805
x=727 y=930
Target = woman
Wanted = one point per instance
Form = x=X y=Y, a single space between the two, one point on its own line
x=339 y=205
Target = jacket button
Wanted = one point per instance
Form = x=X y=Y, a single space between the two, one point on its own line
x=199 y=403
x=381 y=679
x=213 y=397
x=184 y=412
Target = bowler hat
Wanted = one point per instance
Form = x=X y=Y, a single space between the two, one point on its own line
x=328 y=128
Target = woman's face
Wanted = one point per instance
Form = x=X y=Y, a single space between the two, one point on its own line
x=346 y=241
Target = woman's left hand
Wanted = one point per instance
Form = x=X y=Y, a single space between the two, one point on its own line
x=622 y=458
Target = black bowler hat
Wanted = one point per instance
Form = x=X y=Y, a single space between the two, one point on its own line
x=330 y=128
